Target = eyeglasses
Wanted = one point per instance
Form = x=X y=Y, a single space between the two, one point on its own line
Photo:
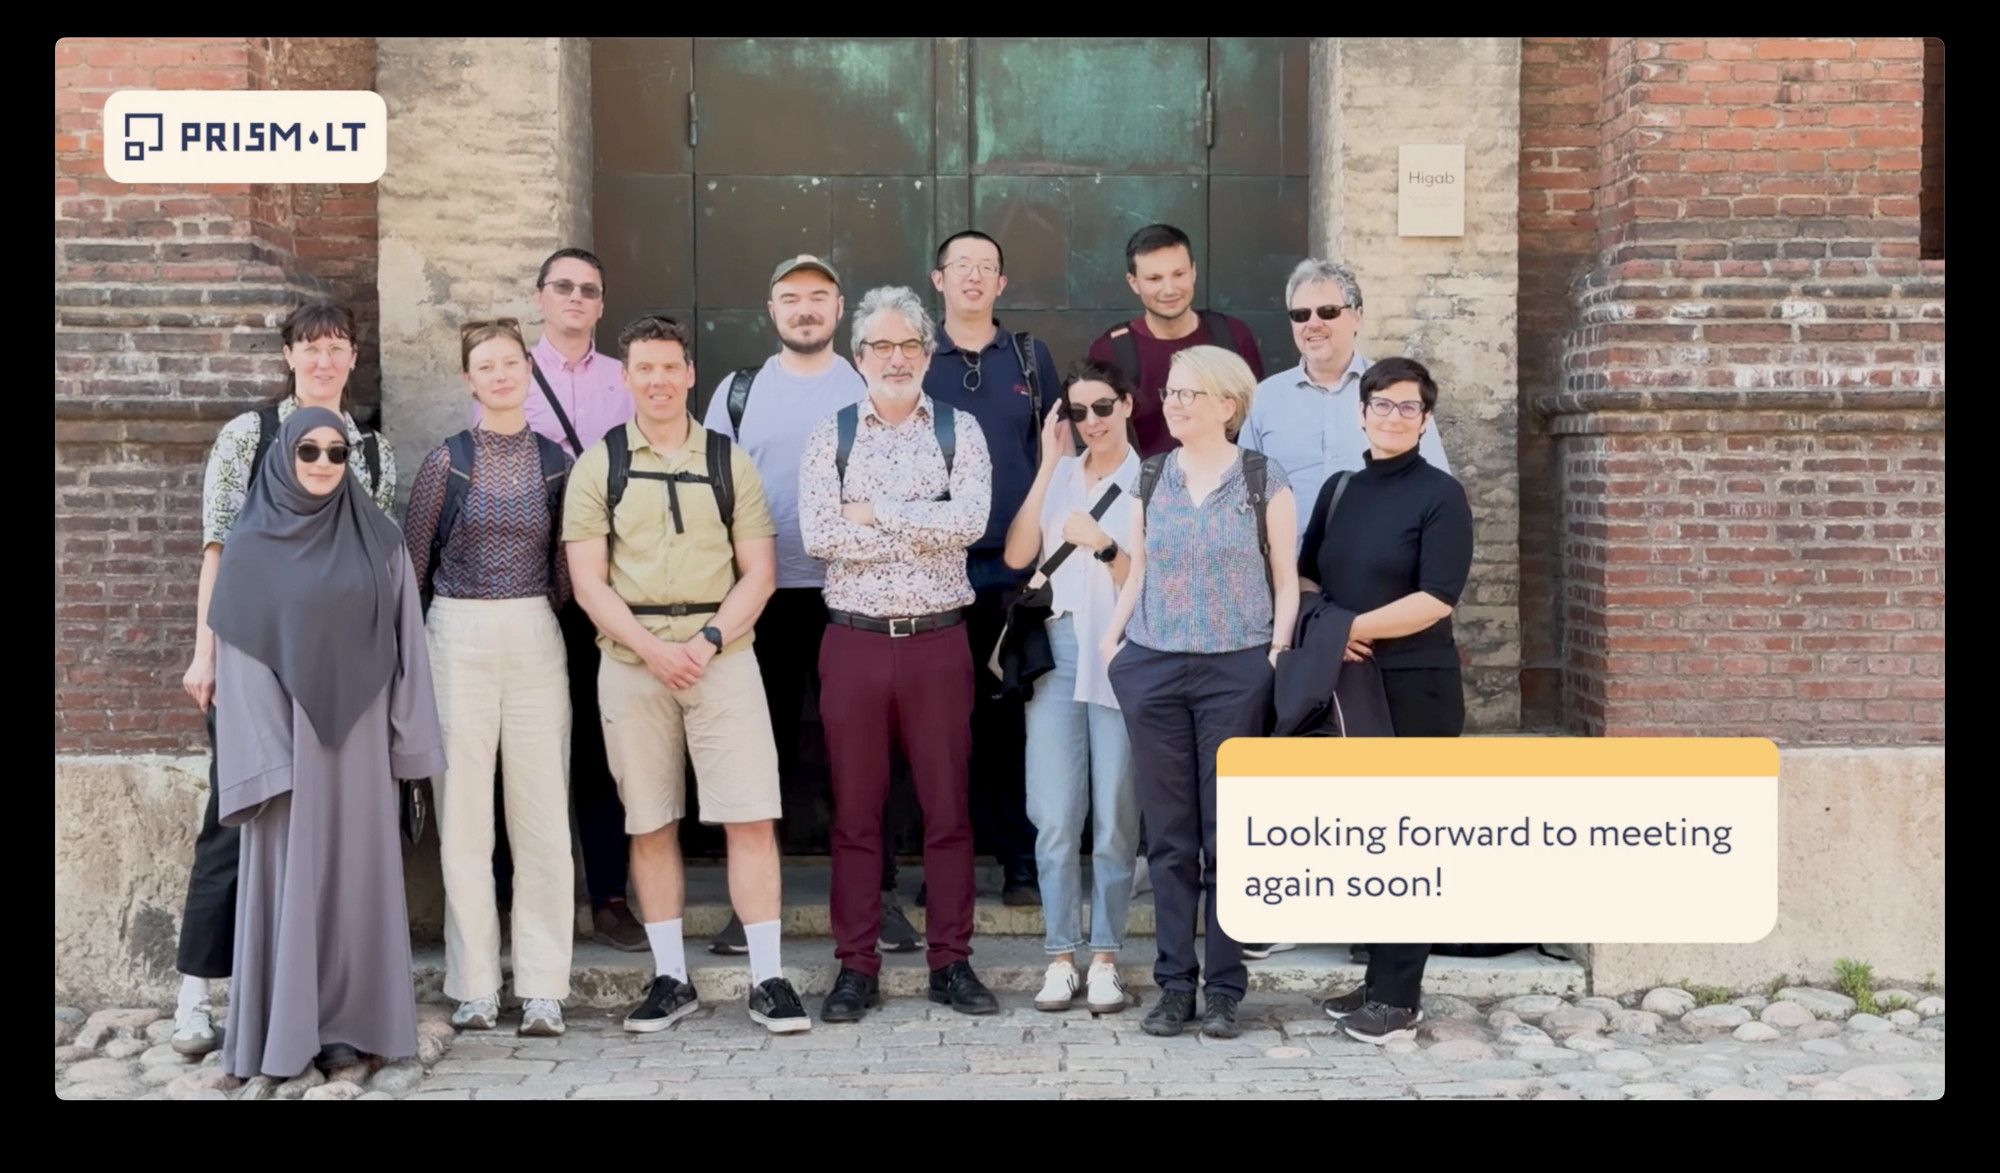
x=310 y=452
x=1327 y=313
x=1075 y=414
x=1409 y=409
x=911 y=348
x=565 y=287
x=325 y=353
x=1180 y=395
x=968 y=268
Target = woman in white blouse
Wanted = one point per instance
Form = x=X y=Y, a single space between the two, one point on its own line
x=1079 y=757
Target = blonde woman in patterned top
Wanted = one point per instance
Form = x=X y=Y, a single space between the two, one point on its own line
x=484 y=535
x=321 y=349
x=1211 y=601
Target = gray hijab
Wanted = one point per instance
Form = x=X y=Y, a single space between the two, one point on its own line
x=305 y=585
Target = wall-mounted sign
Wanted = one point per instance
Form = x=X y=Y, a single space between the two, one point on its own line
x=1430 y=191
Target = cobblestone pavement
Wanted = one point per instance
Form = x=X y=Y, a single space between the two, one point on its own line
x=1805 y=1044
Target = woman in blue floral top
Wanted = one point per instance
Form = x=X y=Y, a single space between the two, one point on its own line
x=1203 y=601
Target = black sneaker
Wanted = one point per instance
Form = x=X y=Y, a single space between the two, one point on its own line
x=668 y=1000
x=897 y=934
x=1173 y=1012
x=923 y=893
x=776 y=1004
x=1219 y=1020
x=1342 y=1005
x=1379 y=1022
x=956 y=986
x=854 y=994
x=732 y=939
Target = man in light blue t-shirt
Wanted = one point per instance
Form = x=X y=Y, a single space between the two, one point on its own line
x=770 y=414
x=1308 y=418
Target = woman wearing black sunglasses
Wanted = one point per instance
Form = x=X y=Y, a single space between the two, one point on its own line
x=1079 y=756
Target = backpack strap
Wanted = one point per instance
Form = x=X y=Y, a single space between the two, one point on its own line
x=1256 y=472
x=944 y=424
x=617 y=471
x=722 y=478
x=1219 y=333
x=371 y=455
x=739 y=398
x=456 y=482
x=1149 y=476
x=1125 y=352
x=845 y=422
x=555 y=481
x=1024 y=350
x=267 y=432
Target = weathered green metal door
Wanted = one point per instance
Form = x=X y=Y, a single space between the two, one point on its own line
x=716 y=158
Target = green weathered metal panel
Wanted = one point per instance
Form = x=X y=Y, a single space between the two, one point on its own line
x=1083 y=106
x=1260 y=106
x=1029 y=216
x=1257 y=233
x=953 y=103
x=744 y=224
x=644 y=230
x=790 y=106
x=1105 y=211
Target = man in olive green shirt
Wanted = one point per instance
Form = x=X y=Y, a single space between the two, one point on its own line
x=675 y=594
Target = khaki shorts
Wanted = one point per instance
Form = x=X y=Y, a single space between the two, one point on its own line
x=724 y=722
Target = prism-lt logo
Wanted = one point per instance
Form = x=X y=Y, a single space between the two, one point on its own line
x=144 y=132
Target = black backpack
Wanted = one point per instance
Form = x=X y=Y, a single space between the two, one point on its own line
x=1255 y=489
x=721 y=480
x=555 y=477
x=1125 y=347
x=267 y=432
x=944 y=423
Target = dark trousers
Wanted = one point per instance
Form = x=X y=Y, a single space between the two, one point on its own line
x=600 y=817
x=1000 y=823
x=1423 y=702
x=876 y=690
x=1179 y=708
x=208 y=919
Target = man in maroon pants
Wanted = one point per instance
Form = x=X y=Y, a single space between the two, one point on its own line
x=891 y=493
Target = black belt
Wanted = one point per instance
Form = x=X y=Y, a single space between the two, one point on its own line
x=678 y=609
x=898 y=628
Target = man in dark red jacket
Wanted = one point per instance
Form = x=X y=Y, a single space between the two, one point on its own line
x=1159 y=266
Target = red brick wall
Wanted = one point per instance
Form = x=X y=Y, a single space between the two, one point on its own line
x=1562 y=82
x=167 y=300
x=1750 y=442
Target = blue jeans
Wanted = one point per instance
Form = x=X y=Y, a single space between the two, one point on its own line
x=1079 y=759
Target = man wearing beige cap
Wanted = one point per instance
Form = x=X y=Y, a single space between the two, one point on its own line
x=769 y=411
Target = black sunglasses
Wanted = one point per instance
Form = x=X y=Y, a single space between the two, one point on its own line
x=1327 y=313
x=310 y=452
x=1075 y=414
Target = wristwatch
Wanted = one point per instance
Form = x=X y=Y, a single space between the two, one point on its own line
x=1108 y=554
x=713 y=635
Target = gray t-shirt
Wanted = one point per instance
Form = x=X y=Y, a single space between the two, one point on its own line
x=780 y=415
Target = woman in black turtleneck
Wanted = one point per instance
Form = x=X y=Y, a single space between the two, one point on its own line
x=1396 y=552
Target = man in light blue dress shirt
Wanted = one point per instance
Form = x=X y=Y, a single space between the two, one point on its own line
x=1308 y=418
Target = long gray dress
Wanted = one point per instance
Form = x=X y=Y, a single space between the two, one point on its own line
x=322 y=936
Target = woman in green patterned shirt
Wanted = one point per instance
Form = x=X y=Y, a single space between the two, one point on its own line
x=321 y=350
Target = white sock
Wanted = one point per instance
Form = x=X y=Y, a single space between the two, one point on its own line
x=763 y=939
x=669 y=950
x=194 y=991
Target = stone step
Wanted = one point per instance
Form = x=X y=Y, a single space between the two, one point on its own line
x=606 y=978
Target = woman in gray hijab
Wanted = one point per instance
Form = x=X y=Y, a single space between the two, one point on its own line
x=323 y=691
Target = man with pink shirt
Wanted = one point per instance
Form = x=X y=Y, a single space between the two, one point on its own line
x=580 y=395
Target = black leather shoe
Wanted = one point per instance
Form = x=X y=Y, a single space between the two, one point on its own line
x=1022 y=888
x=1173 y=1012
x=1219 y=1022
x=854 y=994
x=957 y=987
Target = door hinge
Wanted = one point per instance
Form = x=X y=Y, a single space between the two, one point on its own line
x=1208 y=118
x=694 y=121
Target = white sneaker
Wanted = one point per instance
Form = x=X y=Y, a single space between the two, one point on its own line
x=476 y=1014
x=194 y=1030
x=1107 y=993
x=542 y=1018
x=1059 y=988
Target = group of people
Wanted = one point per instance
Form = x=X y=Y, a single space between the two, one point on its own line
x=591 y=587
